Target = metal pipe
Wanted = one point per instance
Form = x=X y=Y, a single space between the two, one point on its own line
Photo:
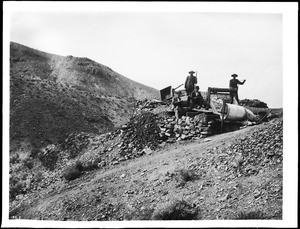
x=222 y=115
x=178 y=86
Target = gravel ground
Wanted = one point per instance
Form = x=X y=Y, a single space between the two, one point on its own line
x=236 y=174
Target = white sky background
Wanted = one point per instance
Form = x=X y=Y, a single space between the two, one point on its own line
x=159 y=48
x=157 y=44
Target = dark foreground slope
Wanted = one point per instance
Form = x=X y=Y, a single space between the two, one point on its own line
x=236 y=175
x=52 y=96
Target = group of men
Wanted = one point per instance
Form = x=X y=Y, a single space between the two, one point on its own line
x=195 y=98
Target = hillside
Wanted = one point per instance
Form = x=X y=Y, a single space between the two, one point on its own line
x=52 y=96
x=83 y=149
x=235 y=175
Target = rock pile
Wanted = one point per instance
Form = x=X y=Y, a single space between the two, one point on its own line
x=153 y=124
x=48 y=156
x=153 y=106
x=184 y=128
x=147 y=130
x=261 y=148
x=251 y=154
x=139 y=133
x=75 y=143
x=253 y=103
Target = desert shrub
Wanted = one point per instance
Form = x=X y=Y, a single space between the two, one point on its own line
x=92 y=164
x=15 y=188
x=79 y=166
x=251 y=215
x=35 y=152
x=13 y=180
x=178 y=210
x=75 y=143
x=15 y=159
x=183 y=176
x=186 y=175
x=72 y=172
x=48 y=158
x=139 y=214
x=28 y=163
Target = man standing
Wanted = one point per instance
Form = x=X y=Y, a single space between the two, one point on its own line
x=233 y=84
x=190 y=82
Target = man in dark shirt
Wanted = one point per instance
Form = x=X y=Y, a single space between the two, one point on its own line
x=196 y=98
x=190 y=82
x=233 y=84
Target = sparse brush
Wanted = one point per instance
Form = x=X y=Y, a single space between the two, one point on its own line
x=79 y=166
x=91 y=165
x=15 y=189
x=35 y=152
x=178 y=210
x=183 y=176
x=28 y=163
x=72 y=173
x=143 y=213
x=49 y=159
x=15 y=159
x=186 y=175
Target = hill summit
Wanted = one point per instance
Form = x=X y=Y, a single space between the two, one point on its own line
x=52 y=96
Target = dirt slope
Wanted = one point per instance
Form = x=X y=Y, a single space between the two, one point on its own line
x=232 y=175
x=52 y=96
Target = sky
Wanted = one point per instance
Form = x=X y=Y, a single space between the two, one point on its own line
x=158 y=43
x=158 y=49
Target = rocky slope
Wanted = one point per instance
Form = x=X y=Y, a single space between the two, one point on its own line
x=52 y=96
x=74 y=161
x=236 y=175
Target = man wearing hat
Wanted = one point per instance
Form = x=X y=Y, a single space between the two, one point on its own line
x=190 y=82
x=196 y=98
x=233 y=84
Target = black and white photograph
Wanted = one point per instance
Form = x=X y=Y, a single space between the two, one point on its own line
x=149 y=114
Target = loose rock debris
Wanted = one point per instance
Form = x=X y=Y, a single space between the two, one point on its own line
x=154 y=124
x=147 y=131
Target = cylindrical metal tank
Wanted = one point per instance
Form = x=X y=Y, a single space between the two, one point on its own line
x=234 y=112
x=237 y=113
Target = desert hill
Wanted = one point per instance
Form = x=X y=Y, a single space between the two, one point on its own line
x=79 y=164
x=52 y=96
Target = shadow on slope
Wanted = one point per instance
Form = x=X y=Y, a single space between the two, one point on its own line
x=52 y=96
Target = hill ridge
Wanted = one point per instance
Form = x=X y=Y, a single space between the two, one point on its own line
x=58 y=95
x=82 y=61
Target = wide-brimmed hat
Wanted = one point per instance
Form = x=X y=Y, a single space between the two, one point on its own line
x=234 y=75
x=191 y=72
